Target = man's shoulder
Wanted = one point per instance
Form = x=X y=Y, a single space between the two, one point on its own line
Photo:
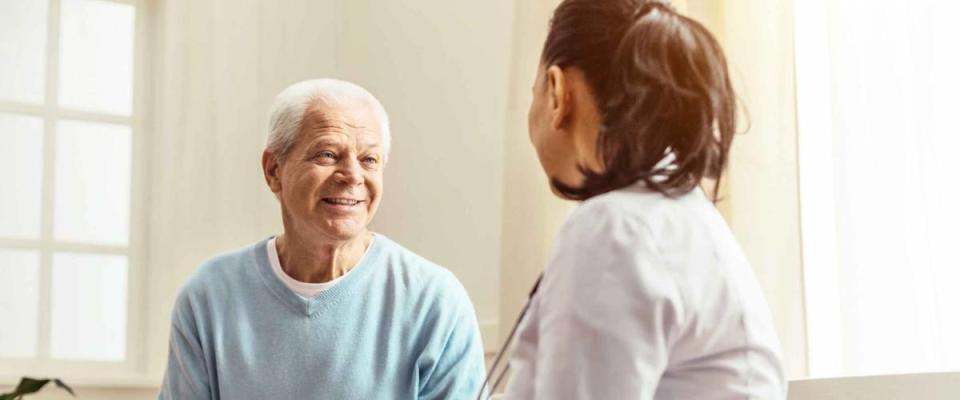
x=418 y=273
x=221 y=272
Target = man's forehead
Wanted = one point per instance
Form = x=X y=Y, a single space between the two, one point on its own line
x=353 y=115
x=339 y=124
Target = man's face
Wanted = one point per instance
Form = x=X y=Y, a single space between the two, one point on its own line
x=331 y=181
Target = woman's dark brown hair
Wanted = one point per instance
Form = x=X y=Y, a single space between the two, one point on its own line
x=661 y=84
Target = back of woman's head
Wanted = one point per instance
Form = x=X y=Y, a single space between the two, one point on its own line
x=660 y=80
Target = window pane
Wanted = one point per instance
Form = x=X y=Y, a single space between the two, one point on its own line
x=19 y=288
x=92 y=189
x=23 y=49
x=882 y=111
x=89 y=307
x=21 y=157
x=96 y=56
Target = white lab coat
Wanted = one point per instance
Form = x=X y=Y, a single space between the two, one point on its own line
x=647 y=297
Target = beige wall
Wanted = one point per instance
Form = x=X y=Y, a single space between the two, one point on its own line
x=531 y=214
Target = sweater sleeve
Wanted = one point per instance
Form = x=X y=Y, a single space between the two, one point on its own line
x=186 y=375
x=454 y=368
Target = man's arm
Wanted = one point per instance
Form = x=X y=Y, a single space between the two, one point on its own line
x=457 y=371
x=186 y=376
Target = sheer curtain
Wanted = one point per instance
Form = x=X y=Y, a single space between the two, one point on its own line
x=878 y=94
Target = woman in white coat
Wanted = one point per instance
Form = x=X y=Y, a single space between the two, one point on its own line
x=647 y=294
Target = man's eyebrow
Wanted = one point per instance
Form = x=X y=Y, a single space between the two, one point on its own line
x=370 y=143
x=325 y=141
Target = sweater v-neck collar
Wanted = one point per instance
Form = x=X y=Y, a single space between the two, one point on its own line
x=327 y=298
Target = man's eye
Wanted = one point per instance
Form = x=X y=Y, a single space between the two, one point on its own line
x=371 y=160
x=327 y=154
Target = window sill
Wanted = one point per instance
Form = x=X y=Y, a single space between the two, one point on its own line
x=103 y=382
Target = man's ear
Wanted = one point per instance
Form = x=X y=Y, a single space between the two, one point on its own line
x=271 y=171
x=559 y=95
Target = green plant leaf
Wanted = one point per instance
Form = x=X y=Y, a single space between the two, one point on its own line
x=64 y=386
x=29 y=385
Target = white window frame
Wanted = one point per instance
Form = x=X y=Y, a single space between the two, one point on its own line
x=132 y=371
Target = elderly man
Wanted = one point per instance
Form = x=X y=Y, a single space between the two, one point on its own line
x=328 y=309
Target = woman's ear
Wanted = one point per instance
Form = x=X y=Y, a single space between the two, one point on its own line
x=559 y=96
x=271 y=171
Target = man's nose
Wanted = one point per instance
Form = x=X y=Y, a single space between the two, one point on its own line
x=349 y=172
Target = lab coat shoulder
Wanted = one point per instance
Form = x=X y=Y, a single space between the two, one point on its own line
x=609 y=249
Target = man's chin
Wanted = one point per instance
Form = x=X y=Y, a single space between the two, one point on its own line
x=345 y=231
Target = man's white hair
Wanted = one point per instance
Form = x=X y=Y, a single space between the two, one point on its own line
x=289 y=107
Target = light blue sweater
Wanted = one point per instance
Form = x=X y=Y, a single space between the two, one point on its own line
x=396 y=327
